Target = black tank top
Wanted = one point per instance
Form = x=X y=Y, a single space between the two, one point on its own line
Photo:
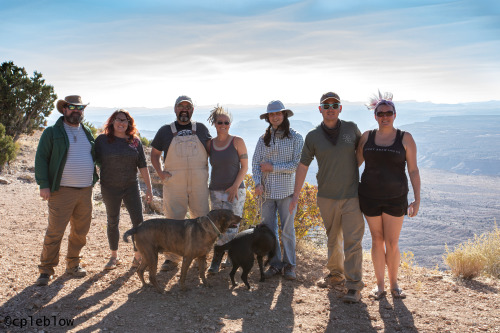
x=384 y=176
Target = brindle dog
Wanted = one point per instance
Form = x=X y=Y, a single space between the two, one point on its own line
x=192 y=238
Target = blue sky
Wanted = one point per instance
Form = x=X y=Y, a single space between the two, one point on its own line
x=146 y=53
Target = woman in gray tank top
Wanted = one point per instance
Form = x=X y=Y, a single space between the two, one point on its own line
x=229 y=162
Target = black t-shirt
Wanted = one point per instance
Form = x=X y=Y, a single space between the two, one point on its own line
x=164 y=136
x=119 y=160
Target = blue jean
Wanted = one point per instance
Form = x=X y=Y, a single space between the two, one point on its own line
x=270 y=209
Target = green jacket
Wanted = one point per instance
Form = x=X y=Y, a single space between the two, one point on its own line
x=51 y=155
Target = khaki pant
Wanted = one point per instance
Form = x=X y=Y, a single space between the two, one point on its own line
x=345 y=227
x=66 y=205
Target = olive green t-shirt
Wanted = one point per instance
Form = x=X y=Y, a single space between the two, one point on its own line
x=338 y=173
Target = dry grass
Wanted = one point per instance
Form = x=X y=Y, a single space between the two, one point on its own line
x=475 y=257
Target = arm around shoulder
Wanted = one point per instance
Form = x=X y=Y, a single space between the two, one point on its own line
x=359 y=148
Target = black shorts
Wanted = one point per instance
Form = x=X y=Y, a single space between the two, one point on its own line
x=375 y=207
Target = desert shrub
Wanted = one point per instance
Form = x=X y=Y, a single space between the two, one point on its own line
x=251 y=210
x=307 y=216
x=8 y=148
x=475 y=257
x=408 y=264
x=145 y=142
x=466 y=260
x=489 y=244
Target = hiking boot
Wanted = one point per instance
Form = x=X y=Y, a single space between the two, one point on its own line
x=330 y=281
x=289 y=272
x=168 y=265
x=352 y=296
x=216 y=259
x=76 y=271
x=271 y=271
x=43 y=279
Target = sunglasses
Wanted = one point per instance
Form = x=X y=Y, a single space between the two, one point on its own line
x=381 y=114
x=333 y=106
x=223 y=122
x=75 y=107
x=121 y=120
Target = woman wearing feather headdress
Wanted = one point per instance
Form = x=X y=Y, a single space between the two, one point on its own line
x=383 y=189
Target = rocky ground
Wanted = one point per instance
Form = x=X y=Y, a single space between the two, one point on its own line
x=115 y=301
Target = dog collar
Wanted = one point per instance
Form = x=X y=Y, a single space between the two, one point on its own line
x=215 y=227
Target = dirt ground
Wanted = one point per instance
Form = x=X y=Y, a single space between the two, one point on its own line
x=115 y=301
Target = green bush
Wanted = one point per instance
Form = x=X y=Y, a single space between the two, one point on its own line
x=91 y=126
x=8 y=148
x=25 y=101
x=145 y=142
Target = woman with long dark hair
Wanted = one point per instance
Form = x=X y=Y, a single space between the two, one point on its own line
x=120 y=154
x=273 y=166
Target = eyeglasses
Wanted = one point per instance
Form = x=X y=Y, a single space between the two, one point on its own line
x=76 y=107
x=121 y=120
x=381 y=114
x=223 y=122
x=333 y=106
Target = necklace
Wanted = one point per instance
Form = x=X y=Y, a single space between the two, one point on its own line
x=74 y=132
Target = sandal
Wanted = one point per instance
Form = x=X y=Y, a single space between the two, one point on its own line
x=398 y=293
x=377 y=294
x=112 y=263
x=136 y=262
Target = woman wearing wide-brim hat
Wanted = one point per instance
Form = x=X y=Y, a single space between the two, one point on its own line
x=273 y=166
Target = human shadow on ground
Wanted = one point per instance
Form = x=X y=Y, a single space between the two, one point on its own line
x=69 y=307
x=202 y=308
x=345 y=317
x=32 y=298
x=396 y=317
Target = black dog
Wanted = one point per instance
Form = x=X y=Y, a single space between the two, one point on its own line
x=259 y=240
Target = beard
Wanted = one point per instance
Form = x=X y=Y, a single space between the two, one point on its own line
x=183 y=116
x=74 y=118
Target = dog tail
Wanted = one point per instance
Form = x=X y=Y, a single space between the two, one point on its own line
x=129 y=233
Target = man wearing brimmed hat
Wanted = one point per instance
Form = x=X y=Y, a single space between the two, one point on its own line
x=185 y=167
x=65 y=172
x=273 y=166
x=334 y=144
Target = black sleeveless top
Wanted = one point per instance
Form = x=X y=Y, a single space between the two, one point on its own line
x=384 y=176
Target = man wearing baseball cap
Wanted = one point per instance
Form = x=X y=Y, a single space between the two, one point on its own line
x=334 y=143
x=185 y=167
x=65 y=172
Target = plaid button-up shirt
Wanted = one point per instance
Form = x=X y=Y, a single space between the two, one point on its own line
x=284 y=155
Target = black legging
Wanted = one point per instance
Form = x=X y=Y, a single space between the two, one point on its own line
x=112 y=197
